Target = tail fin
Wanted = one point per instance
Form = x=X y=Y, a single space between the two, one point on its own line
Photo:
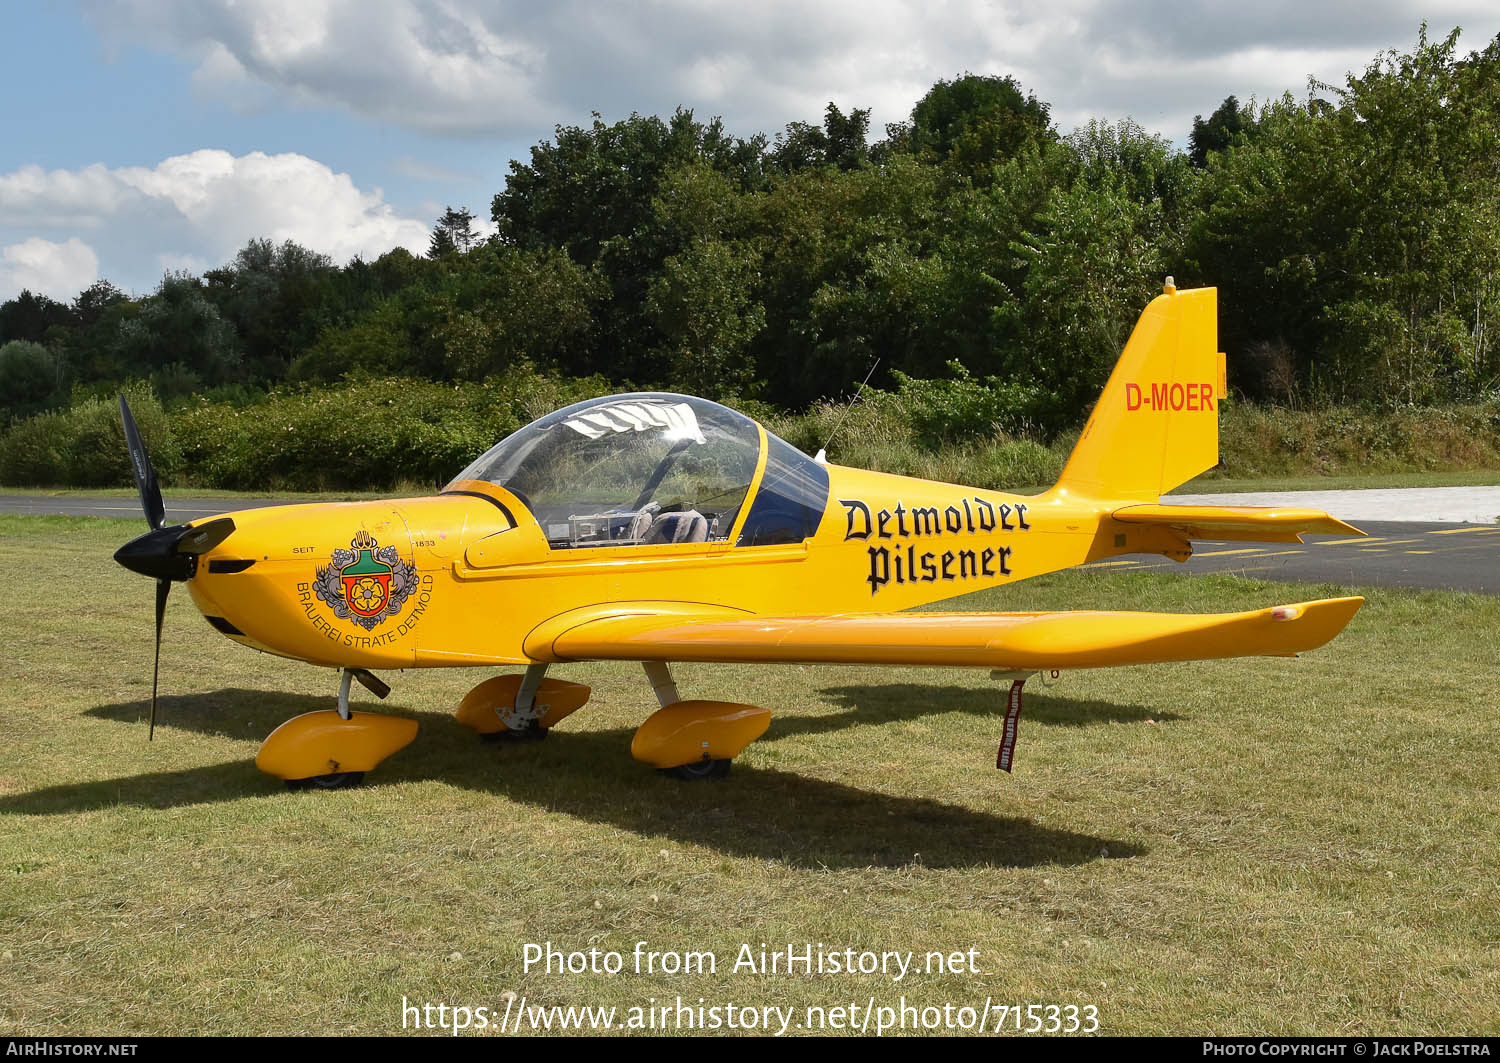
x=1157 y=424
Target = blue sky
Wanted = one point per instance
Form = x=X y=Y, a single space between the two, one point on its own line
x=127 y=103
x=145 y=135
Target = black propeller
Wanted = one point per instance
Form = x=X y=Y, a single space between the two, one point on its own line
x=166 y=554
x=145 y=475
x=163 y=587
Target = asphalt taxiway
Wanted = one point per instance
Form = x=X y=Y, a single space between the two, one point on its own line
x=1391 y=554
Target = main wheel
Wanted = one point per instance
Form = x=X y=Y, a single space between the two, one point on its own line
x=506 y=736
x=338 y=781
x=700 y=770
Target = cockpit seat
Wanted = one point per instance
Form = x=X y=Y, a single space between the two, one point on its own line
x=640 y=524
x=687 y=527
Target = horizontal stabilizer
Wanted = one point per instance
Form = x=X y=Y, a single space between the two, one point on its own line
x=1011 y=641
x=1270 y=524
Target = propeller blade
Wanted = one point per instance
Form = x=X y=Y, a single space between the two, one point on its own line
x=163 y=587
x=204 y=537
x=145 y=475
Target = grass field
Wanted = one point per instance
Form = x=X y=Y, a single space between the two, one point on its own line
x=1284 y=846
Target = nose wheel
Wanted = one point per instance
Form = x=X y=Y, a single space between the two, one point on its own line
x=332 y=749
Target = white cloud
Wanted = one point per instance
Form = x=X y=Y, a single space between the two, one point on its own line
x=63 y=198
x=59 y=271
x=513 y=68
x=516 y=67
x=191 y=209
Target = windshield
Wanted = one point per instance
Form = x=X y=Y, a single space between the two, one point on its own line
x=628 y=469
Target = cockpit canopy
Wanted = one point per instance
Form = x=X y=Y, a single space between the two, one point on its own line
x=649 y=468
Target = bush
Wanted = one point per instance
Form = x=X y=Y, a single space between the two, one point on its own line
x=963 y=407
x=84 y=446
x=905 y=433
x=376 y=434
x=367 y=434
x=35 y=451
x=1268 y=441
x=97 y=456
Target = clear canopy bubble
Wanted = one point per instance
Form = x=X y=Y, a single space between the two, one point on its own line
x=655 y=468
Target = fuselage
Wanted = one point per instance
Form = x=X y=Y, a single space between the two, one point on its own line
x=469 y=578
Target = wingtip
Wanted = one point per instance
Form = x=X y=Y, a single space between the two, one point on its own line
x=1321 y=620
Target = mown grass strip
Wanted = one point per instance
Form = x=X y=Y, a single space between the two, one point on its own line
x=1284 y=846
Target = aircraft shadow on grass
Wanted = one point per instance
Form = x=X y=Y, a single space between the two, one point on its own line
x=757 y=812
x=878 y=703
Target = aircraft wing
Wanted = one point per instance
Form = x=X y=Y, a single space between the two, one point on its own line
x=1268 y=524
x=1008 y=641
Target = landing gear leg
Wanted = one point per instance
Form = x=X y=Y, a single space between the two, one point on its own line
x=521 y=718
x=368 y=680
x=662 y=685
x=344 y=677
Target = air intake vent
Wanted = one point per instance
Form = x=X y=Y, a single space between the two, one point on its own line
x=229 y=566
x=224 y=625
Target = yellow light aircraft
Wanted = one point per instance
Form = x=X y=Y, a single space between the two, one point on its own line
x=660 y=528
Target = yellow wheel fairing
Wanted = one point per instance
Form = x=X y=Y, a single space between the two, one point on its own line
x=555 y=699
x=690 y=731
x=323 y=743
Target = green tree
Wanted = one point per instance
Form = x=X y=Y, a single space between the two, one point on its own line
x=516 y=307
x=590 y=193
x=1093 y=260
x=453 y=233
x=272 y=296
x=1219 y=131
x=849 y=276
x=1143 y=166
x=93 y=301
x=374 y=344
x=29 y=316
x=29 y=378
x=976 y=121
x=703 y=303
x=842 y=141
x=1263 y=232
x=1358 y=231
x=180 y=330
x=588 y=186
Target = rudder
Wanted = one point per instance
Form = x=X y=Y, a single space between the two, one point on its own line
x=1156 y=425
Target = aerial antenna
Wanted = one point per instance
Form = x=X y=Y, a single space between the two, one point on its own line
x=821 y=457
